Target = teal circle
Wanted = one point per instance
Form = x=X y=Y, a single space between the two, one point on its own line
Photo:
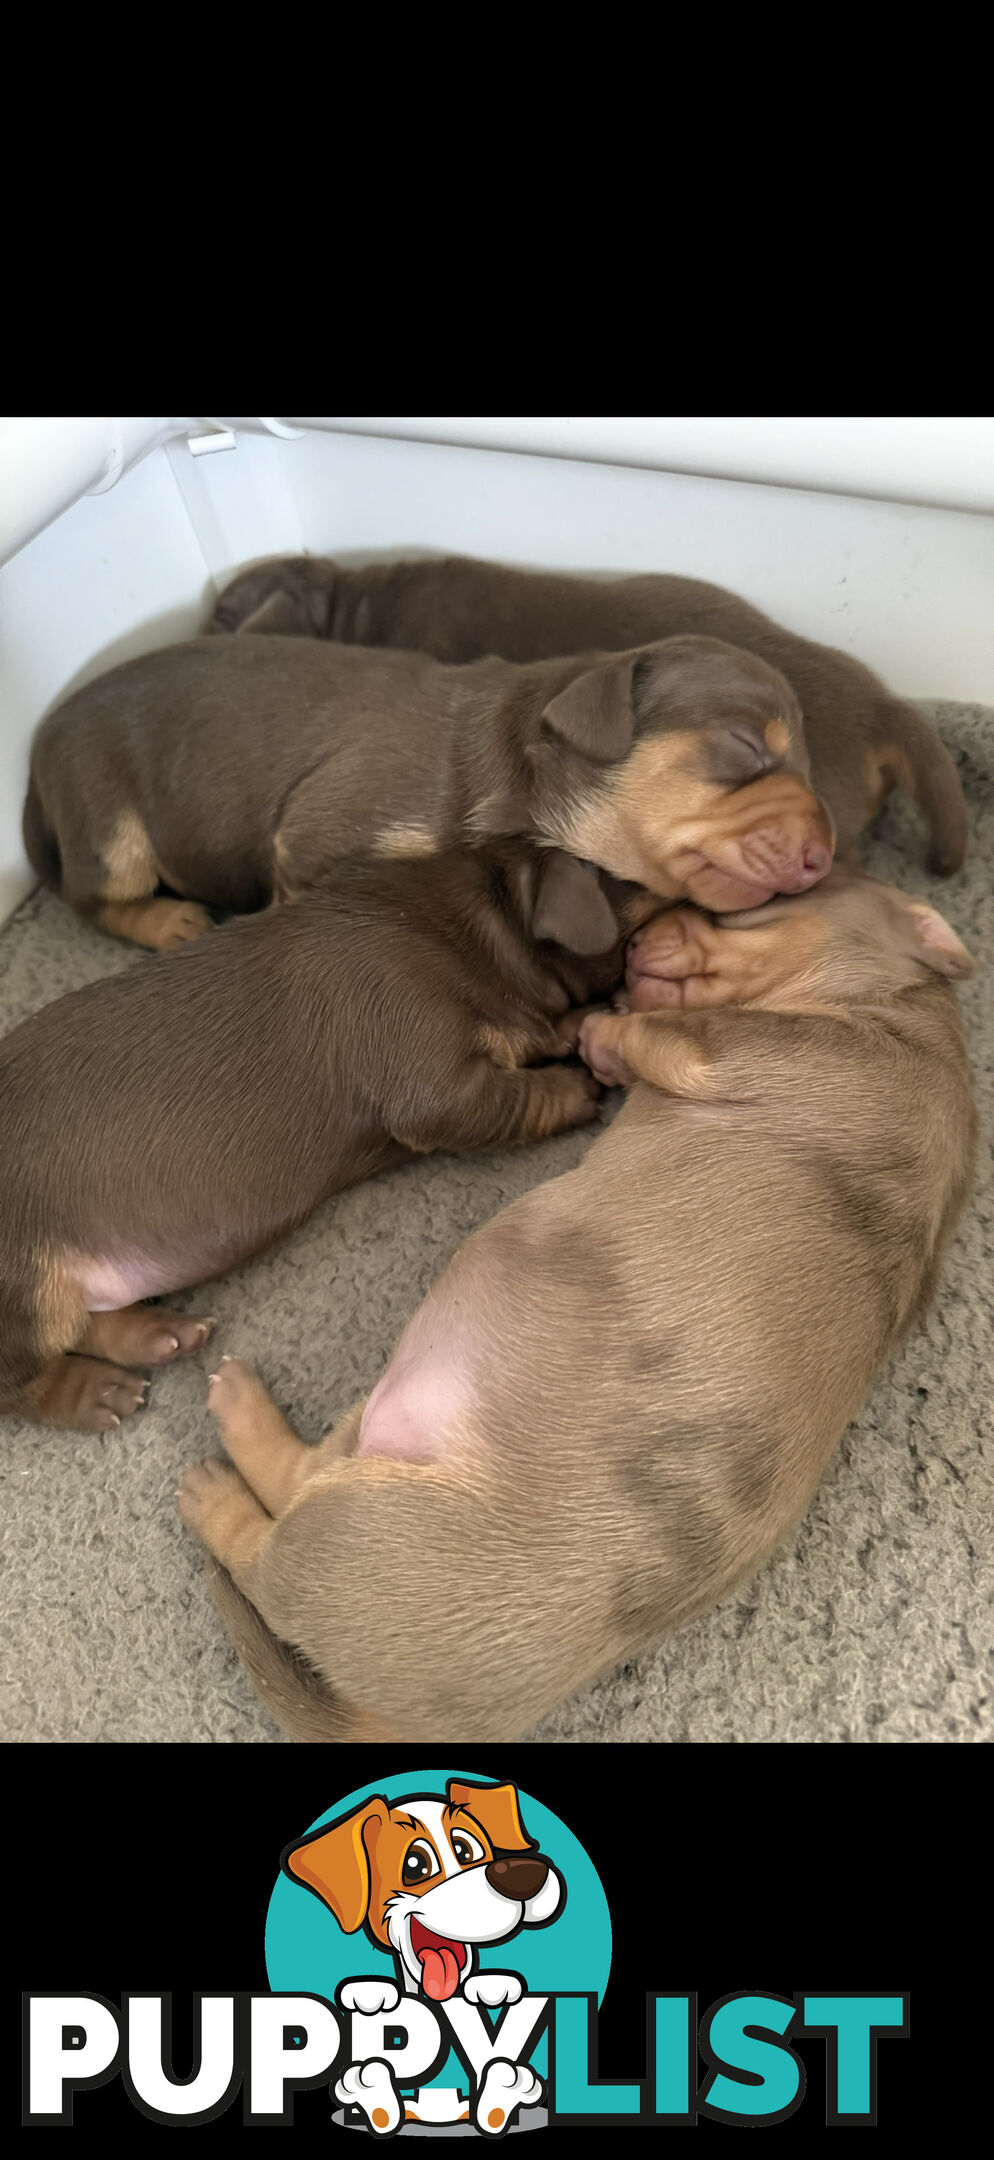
x=307 y=1953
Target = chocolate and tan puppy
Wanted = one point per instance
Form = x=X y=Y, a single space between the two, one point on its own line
x=159 y=1126
x=622 y=1391
x=235 y=770
x=863 y=742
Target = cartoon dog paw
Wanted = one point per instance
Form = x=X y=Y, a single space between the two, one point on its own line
x=493 y=1988
x=369 y=1996
x=506 y=2087
x=369 y=2086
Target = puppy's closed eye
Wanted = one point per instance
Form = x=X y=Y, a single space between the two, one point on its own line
x=737 y=755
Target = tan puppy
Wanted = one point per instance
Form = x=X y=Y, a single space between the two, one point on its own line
x=621 y=1393
x=239 y=770
x=863 y=741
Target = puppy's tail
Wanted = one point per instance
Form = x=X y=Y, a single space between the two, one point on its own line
x=294 y=1693
x=911 y=755
x=40 y=844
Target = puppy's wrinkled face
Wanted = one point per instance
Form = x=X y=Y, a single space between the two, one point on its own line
x=683 y=767
x=850 y=938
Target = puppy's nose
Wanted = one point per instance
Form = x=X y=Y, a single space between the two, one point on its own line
x=519 y=1877
x=816 y=861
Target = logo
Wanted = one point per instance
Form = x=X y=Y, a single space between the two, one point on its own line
x=444 y=1915
x=438 y=1948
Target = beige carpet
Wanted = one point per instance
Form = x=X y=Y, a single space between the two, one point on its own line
x=873 y=1623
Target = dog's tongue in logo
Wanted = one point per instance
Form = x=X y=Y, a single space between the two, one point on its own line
x=441 y=1961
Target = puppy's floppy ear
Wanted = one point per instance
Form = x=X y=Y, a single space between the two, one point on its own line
x=495 y=1808
x=935 y=941
x=334 y=1863
x=595 y=713
x=570 y=907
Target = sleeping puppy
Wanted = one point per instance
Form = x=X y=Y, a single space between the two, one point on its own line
x=236 y=770
x=863 y=742
x=622 y=1391
x=162 y=1125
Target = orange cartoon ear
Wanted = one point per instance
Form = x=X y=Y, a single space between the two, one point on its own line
x=334 y=1863
x=495 y=1808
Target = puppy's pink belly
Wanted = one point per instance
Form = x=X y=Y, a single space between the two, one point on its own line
x=107 y=1285
x=415 y=1412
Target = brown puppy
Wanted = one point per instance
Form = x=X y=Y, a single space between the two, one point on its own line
x=159 y=1126
x=237 y=770
x=862 y=741
x=622 y=1391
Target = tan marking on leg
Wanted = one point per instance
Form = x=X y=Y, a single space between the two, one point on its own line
x=886 y=766
x=512 y=1047
x=560 y=1097
x=60 y=1315
x=283 y=879
x=405 y=840
x=159 y=925
x=129 y=860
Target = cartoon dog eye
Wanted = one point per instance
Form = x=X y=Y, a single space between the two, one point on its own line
x=466 y=1848
x=419 y=1863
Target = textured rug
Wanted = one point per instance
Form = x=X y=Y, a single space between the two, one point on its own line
x=873 y=1622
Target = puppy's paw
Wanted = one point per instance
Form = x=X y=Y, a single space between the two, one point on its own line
x=369 y=1996
x=233 y=1389
x=87 y=1394
x=559 y=1098
x=567 y=1030
x=601 y=1038
x=205 y=1489
x=370 y=2087
x=147 y=1335
x=493 y=1988
x=506 y=2087
x=179 y=923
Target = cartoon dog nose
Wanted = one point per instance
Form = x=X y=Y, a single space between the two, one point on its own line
x=520 y=1877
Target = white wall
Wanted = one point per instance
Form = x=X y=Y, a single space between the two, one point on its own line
x=908 y=589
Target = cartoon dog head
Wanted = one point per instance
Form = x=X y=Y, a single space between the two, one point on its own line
x=431 y=1879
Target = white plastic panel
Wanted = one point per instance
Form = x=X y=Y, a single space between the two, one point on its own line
x=118 y=574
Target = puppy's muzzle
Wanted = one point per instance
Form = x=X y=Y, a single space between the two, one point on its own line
x=519 y=1876
x=813 y=862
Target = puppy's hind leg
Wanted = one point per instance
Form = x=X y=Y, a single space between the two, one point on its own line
x=112 y=883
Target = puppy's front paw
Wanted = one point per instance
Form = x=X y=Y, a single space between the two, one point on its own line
x=601 y=1037
x=493 y=1988
x=369 y=1996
